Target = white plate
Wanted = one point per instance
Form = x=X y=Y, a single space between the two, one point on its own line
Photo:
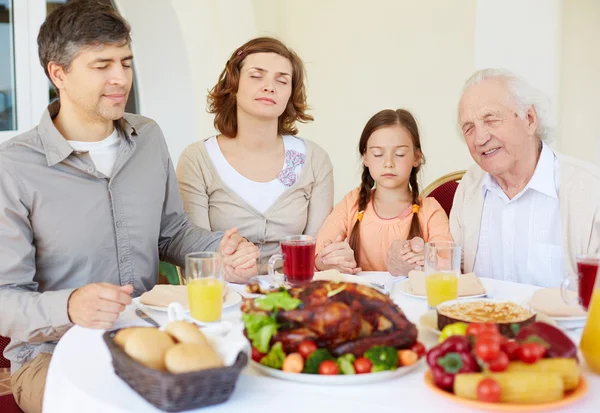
x=428 y=321
x=340 y=379
x=232 y=298
x=570 y=322
x=404 y=288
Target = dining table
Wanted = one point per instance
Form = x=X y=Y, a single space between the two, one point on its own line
x=81 y=377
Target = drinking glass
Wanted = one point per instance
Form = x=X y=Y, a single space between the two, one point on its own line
x=442 y=269
x=298 y=256
x=587 y=268
x=205 y=285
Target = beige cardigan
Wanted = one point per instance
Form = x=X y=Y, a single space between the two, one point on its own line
x=579 y=197
x=301 y=209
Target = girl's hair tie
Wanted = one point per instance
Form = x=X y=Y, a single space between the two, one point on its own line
x=415 y=209
x=360 y=215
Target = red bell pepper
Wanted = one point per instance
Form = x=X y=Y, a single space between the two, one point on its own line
x=449 y=358
x=557 y=343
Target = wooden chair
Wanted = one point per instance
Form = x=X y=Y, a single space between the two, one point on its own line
x=443 y=189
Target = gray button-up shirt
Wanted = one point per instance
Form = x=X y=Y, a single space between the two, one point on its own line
x=63 y=225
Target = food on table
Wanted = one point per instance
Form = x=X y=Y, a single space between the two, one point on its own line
x=362 y=365
x=257 y=355
x=419 y=348
x=346 y=363
x=352 y=326
x=123 y=334
x=293 y=363
x=187 y=357
x=185 y=332
x=515 y=387
x=181 y=348
x=316 y=359
x=454 y=329
x=558 y=343
x=382 y=357
x=148 y=347
x=535 y=374
x=275 y=357
x=328 y=367
x=567 y=368
x=488 y=390
x=506 y=314
x=449 y=358
x=407 y=357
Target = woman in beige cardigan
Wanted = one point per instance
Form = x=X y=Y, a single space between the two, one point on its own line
x=256 y=175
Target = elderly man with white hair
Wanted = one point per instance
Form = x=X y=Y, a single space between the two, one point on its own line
x=524 y=211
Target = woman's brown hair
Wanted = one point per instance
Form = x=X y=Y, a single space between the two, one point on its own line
x=383 y=119
x=222 y=97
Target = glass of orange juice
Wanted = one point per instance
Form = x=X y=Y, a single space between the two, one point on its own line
x=442 y=268
x=590 y=339
x=205 y=285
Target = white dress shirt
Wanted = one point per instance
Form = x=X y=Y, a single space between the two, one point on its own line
x=520 y=238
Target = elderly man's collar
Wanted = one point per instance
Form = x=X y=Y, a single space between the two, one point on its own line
x=56 y=147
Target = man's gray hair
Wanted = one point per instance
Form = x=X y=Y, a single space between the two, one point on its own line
x=523 y=95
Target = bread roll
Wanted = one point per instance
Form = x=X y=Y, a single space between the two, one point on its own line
x=187 y=357
x=122 y=335
x=186 y=332
x=148 y=347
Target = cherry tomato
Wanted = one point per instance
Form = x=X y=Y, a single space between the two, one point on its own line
x=531 y=352
x=293 y=363
x=328 y=367
x=499 y=364
x=475 y=329
x=418 y=348
x=256 y=355
x=306 y=348
x=362 y=365
x=488 y=390
x=407 y=357
x=489 y=336
x=487 y=350
x=511 y=348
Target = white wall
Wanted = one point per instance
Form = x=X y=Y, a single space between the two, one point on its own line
x=362 y=57
x=579 y=123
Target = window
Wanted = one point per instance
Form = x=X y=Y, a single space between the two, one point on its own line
x=8 y=115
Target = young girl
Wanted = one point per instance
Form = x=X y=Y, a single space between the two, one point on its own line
x=386 y=207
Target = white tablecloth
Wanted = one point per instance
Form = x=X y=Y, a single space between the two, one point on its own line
x=81 y=377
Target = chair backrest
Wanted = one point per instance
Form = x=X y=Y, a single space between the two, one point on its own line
x=4 y=363
x=443 y=189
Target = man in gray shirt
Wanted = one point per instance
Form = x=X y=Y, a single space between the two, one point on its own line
x=89 y=202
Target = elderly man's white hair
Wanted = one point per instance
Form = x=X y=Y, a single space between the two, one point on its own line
x=523 y=95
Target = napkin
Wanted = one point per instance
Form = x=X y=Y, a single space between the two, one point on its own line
x=468 y=284
x=229 y=346
x=164 y=294
x=550 y=302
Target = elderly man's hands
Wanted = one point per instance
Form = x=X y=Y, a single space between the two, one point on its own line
x=240 y=257
x=405 y=256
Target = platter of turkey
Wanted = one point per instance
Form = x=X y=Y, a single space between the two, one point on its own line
x=330 y=332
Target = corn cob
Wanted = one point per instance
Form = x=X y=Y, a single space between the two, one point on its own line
x=566 y=367
x=516 y=387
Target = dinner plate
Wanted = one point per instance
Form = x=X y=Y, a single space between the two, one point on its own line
x=404 y=288
x=340 y=379
x=231 y=298
x=569 y=398
x=428 y=321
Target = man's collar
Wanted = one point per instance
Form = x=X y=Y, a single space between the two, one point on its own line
x=56 y=147
x=541 y=181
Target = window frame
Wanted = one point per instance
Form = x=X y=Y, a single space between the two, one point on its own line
x=31 y=84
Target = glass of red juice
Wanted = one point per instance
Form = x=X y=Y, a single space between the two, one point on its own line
x=298 y=256
x=587 y=269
